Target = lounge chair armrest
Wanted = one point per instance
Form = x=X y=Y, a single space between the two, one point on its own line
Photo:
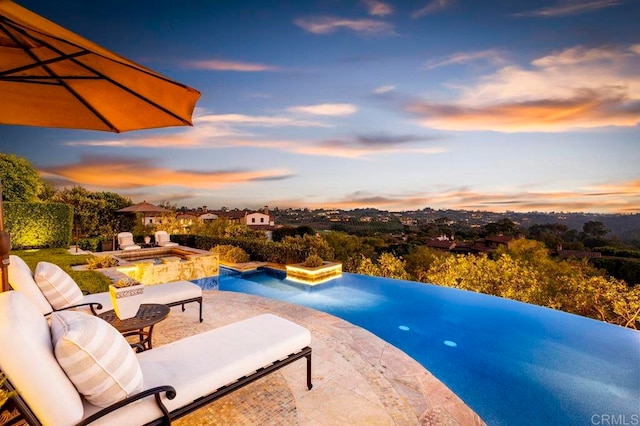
x=92 y=305
x=169 y=390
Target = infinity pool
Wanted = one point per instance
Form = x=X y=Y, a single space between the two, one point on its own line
x=513 y=363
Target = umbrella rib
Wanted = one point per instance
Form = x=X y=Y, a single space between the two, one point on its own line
x=54 y=77
x=20 y=29
x=47 y=62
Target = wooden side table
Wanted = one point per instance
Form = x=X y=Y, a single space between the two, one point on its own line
x=148 y=315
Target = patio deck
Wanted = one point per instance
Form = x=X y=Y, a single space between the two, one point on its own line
x=357 y=377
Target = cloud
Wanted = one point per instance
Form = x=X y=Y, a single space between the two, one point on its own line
x=325 y=109
x=366 y=146
x=570 y=7
x=223 y=65
x=384 y=89
x=329 y=25
x=490 y=55
x=588 y=111
x=571 y=89
x=129 y=173
x=209 y=130
x=377 y=8
x=467 y=199
x=258 y=120
x=434 y=6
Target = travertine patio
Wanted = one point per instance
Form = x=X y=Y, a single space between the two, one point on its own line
x=358 y=378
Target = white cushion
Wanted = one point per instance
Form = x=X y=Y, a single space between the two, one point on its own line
x=26 y=356
x=125 y=241
x=57 y=286
x=171 y=292
x=165 y=293
x=198 y=365
x=96 y=357
x=168 y=244
x=163 y=239
x=21 y=279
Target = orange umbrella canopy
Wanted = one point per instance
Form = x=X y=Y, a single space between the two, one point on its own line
x=52 y=77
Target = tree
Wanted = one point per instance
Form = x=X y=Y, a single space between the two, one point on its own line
x=595 y=228
x=502 y=227
x=593 y=233
x=86 y=210
x=21 y=182
x=419 y=260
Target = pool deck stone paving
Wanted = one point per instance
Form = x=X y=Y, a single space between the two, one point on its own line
x=358 y=379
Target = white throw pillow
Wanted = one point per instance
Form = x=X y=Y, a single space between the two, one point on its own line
x=57 y=286
x=96 y=357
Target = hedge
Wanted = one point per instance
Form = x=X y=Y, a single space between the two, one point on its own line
x=38 y=225
x=258 y=250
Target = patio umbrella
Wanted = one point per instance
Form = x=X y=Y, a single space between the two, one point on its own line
x=143 y=208
x=52 y=77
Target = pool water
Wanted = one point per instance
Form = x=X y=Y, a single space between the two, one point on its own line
x=512 y=362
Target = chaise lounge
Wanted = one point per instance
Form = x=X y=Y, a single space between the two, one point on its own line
x=51 y=289
x=125 y=241
x=49 y=365
x=163 y=239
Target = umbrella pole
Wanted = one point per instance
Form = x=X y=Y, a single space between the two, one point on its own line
x=5 y=248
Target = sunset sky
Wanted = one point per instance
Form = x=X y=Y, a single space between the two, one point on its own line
x=399 y=105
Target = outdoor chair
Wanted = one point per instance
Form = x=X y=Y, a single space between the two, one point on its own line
x=163 y=240
x=65 y=376
x=52 y=289
x=125 y=241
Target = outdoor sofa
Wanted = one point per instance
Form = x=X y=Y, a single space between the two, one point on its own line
x=49 y=364
x=52 y=289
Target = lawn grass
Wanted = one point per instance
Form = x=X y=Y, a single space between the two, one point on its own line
x=88 y=281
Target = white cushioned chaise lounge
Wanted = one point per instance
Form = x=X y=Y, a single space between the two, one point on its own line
x=125 y=241
x=163 y=239
x=61 y=292
x=169 y=381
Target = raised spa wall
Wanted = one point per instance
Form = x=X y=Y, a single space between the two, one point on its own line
x=172 y=269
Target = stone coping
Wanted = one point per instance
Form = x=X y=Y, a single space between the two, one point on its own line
x=358 y=378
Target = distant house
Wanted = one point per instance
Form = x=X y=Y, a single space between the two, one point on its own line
x=186 y=219
x=208 y=216
x=577 y=254
x=441 y=244
x=261 y=221
x=497 y=241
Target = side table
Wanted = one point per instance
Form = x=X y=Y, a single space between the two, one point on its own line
x=148 y=315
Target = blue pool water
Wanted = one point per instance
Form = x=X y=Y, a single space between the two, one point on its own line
x=513 y=363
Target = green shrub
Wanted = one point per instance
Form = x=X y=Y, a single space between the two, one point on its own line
x=99 y=262
x=90 y=244
x=231 y=254
x=313 y=261
x=38 y=225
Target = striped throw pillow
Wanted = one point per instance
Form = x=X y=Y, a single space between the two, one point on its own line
x=96 y=357
x=57 y=286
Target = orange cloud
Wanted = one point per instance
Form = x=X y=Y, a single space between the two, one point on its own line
x=544 y=115
x=571 y=89
x=125 y=173
x=223 y=65
x=608 y=201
